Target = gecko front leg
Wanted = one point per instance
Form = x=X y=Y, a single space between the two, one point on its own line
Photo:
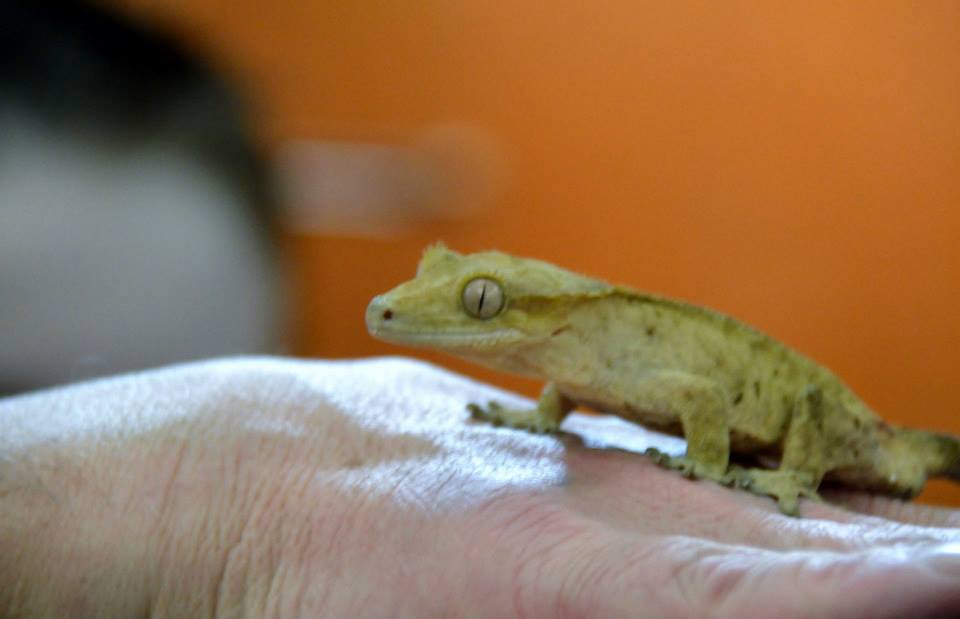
x=549 y=413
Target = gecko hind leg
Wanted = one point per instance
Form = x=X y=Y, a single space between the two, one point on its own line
x=700 y=406
x=806 y=457
x=787 y=487
x=550 y=411
x=688 y=467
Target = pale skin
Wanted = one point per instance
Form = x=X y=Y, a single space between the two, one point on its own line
x=275 y=488
x=725 y=387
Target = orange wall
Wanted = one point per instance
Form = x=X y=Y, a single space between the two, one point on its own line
x=794 y=164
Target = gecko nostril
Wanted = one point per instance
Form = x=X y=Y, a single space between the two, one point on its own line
x=387 y=314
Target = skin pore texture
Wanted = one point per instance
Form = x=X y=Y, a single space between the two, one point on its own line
x=722 y=385
x=276 y=488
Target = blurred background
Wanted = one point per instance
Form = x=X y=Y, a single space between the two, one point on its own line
x=182 y=179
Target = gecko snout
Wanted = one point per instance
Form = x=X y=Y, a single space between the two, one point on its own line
x=378 y=313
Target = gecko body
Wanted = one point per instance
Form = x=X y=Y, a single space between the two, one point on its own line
x=668 y=365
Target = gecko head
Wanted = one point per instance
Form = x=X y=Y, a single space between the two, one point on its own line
x=481 y=306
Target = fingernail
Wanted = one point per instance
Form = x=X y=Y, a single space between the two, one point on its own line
x=945 y=559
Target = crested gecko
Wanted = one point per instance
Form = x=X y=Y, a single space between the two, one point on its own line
x=662 y=363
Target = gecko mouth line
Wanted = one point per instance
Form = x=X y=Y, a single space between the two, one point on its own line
x=489 y=338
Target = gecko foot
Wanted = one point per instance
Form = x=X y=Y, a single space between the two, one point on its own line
x=787 y=487
x=487 y=414
x=531 y=420
x=691 y=469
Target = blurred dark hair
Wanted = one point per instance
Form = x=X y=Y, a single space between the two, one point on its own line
x=82 y=68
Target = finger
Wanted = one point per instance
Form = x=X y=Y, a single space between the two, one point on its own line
x=626 y=491
x=895 y=509
x=684 y=577
x=623 y=488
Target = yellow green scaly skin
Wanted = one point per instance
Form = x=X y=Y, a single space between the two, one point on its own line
x=662 y=363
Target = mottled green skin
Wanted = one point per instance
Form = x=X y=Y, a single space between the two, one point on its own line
x=665 y=364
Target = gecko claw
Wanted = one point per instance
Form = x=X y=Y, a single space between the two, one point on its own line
x=496 y=415
x=658 y=457
x=490 y=414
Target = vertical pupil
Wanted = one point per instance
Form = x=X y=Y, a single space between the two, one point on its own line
x=483 y=293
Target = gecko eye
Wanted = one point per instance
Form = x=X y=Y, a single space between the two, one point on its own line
x=482 y=298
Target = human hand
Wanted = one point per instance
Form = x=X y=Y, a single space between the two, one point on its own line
x=360 y=489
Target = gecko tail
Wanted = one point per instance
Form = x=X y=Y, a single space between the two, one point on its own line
x=938 y=453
